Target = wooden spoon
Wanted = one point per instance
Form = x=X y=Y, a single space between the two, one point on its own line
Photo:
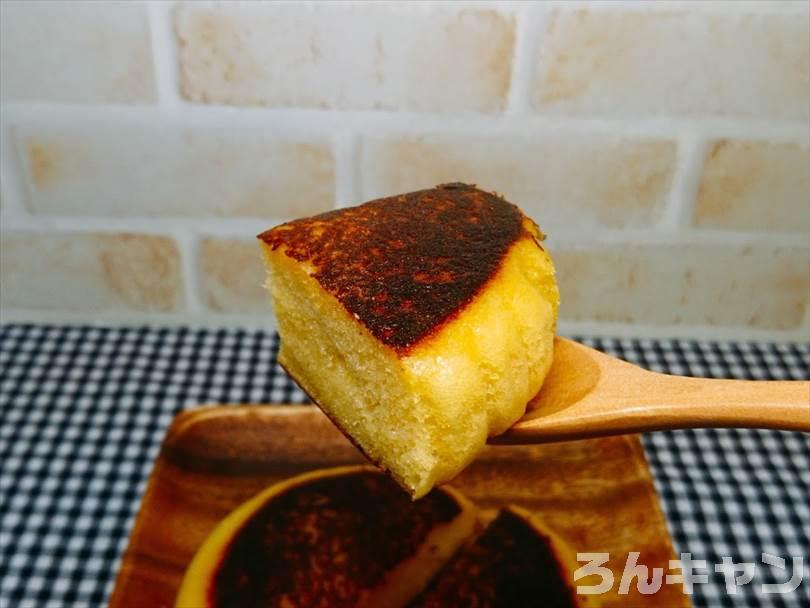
x=590 y=394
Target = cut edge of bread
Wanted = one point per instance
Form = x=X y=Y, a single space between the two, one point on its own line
x=423 y=415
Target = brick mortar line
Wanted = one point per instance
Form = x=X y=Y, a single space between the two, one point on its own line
x=13 y=183
x=164 y=53
x=248 y=227
x=527 y=27
x=753 y=7
x=207 y=318
x=699 y=332
x=188 y=244
x=144 y=225
x=680 y=204
x=745 y=7
x=203 y=319
x=306 y=122
x=345 y=149
x=588 y=239
x=733 y=8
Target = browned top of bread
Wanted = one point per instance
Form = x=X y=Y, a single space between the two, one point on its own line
x=510 y=565
x=405 y=265
x=322 y=543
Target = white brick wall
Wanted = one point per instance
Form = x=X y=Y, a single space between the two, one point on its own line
x=93 y=52
x=563 y=178
x=662 y=145
x=672 y=63
x=131 y=170
x=353 y=56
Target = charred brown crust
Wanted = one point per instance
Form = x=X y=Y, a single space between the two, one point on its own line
x=511 y=564
x=405 y=265
x=325 y=541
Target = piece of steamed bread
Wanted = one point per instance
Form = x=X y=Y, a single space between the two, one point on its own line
x=421 y=324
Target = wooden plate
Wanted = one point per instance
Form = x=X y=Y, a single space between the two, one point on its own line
x=597 y=493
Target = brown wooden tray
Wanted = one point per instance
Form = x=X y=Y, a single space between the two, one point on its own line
x=597 y=493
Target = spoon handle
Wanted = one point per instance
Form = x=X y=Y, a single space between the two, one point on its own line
x=644 y=401
x=699 y=402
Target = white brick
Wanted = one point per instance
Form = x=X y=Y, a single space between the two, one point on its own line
x=233 y=275
x=164 y=170
x=755 y=186
x=759 y=287
x=723 y=64
x=87 y=272
x=347 y=56
x=75 y=52
x=561 y=179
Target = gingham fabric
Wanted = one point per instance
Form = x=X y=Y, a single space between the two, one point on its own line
x=83 y=411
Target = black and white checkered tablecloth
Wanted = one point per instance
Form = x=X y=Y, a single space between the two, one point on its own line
x=83 y=411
